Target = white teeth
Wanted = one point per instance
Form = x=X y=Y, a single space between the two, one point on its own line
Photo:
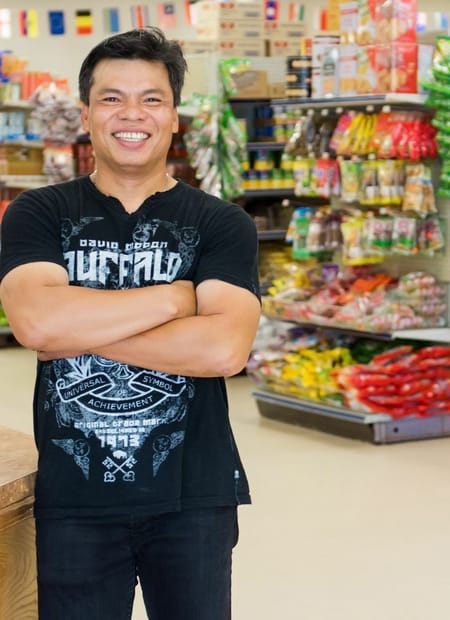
x=132 y=136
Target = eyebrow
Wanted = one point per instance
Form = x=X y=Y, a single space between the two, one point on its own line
x=117 y=91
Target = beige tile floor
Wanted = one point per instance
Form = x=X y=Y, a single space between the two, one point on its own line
x=339 y=529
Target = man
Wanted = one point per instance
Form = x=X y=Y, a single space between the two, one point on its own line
x=140 y=295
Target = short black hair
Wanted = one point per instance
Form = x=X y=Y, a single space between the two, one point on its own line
x=139 y=44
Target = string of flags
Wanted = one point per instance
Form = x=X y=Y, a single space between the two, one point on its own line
x=33 y=22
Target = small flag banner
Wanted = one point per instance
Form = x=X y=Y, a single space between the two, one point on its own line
x=5 y=24
x=111 y=22
x=83 y=22
x=271 y=10
x=296 y=12
x=139 y=16
x=56 y=22
x=28 y=23
x=191 y=12
x=166 y=15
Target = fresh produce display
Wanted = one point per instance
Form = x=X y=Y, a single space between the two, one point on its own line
x=301 y=363
x=359 y=298
x=398 y=379
x=400 y=382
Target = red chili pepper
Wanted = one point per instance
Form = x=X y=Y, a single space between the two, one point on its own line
x=433 y=362
x=392 y=354
x=433 y=351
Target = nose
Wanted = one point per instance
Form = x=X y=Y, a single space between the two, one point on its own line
x=132 y=110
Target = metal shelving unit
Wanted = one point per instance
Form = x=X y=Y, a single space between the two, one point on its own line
x=375 y=428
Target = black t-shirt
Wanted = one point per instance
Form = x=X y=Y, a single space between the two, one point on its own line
x=116 y=439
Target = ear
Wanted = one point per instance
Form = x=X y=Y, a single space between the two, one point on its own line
x=85 y=117
x=175 y=121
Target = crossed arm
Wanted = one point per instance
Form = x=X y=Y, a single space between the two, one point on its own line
x=169 y=327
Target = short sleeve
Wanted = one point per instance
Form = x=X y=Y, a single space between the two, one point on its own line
x=30 y=232
x=230 y=251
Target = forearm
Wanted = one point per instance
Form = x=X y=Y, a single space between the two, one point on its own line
x=77 y=318
x=199 y=346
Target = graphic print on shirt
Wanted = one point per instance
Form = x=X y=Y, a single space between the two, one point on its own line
x=118 y=404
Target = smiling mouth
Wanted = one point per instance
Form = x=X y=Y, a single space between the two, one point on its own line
x=131 y=136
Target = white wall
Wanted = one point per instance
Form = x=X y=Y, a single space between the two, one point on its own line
x=62 y=55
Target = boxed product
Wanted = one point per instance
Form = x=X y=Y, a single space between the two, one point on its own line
x=396 y=68
x=241 y=48
x=325 y=64
x=230 y=28
x=210 y=11
x=348 y=21
x=347 y=71
x=396 y=21
x=365 y=70
x=365 y=31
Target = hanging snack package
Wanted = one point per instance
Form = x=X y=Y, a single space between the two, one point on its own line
x=404 y=236
x=377 y=235
x=370 y=188
x=350 y=179
x=390 y=193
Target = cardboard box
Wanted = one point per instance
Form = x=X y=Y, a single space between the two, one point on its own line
x=395 y=21
x=251 y=84
x=283 y=47
x=230 y=29
x=209 y=11
x=284 y=30
x=198 y=46
x=241 y=48
x=19 y=159
x=277 y=90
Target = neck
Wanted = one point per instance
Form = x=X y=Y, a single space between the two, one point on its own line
x=131 y=191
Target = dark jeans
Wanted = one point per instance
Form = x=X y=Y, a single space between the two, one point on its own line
x=88 y=570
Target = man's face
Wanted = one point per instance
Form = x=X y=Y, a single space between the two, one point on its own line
x=130 y=117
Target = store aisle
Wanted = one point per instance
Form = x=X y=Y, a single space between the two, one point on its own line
x=339 y=529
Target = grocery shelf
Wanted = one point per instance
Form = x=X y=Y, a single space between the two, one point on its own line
x=16 y=105
x=272 y=235
x=375 y=428
x=264 y=145
x=269 y=193
x=393 y=99
x=36 y=144
x=23 y=181
x=432 y=334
